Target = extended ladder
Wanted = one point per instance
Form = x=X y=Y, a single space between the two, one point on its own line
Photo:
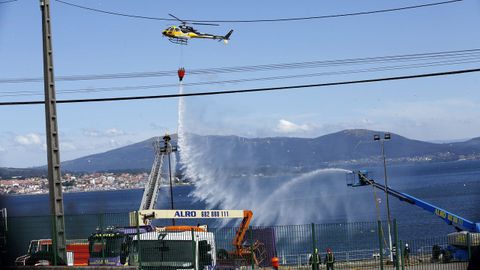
x=163 y=149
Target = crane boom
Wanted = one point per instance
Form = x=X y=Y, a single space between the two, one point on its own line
x=240 y=234
x=458 y=222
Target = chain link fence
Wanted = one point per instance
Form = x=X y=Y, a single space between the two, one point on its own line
x=107 y=239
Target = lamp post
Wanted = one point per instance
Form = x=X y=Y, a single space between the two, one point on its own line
x=386 y=137
x=168 y=149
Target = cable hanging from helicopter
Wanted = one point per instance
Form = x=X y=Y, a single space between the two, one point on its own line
x=182 y=33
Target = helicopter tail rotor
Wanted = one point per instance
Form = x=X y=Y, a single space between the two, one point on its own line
x=227 y=36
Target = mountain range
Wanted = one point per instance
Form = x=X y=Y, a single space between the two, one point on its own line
x=353 y=146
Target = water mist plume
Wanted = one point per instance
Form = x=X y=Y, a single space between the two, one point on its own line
x=299 y=199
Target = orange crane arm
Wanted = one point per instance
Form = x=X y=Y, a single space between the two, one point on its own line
x=242 y=230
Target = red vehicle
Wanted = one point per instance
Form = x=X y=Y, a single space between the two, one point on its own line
x=40 y=253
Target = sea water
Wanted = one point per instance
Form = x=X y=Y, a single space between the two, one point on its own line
x=320 y=197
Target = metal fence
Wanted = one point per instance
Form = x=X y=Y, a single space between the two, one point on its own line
x=107 y=239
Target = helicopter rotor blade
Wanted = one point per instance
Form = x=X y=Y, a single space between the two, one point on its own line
x=187 y=22
x=184 y=22
x=213 y=24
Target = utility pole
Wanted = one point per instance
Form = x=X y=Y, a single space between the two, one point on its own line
x=53 y=147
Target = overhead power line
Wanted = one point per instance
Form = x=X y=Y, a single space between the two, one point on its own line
x=280 y=88
x=263 y=20
x=16 y=93
x=7 y=1
x=265 y=67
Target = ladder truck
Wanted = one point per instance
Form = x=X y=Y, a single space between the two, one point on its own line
x=176 y=247
x=111 y=246
x=147 y=213
x=468 y=232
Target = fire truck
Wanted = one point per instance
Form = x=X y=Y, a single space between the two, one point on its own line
x=40 y=253
x=169 y=247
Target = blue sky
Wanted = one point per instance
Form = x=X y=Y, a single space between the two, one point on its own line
x=93 y=43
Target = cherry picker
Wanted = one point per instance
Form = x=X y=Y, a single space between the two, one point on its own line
x=468 y=232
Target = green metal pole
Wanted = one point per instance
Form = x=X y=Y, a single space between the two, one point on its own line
x=314 y=246
x=194 y=251
x=398 y=248
x=469 y=245
x=251 y=250
x=380 y=243
x=402 y=255
x=139 y=253
x=102 y=238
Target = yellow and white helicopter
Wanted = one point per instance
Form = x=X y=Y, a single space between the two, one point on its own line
x=182 y=33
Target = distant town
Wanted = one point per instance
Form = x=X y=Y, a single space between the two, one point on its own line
x=84 y=182
x=77 y=183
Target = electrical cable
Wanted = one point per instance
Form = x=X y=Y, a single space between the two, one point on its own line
x=264 y=67
x=263 y=20
x=7 y=1
x=115 y=13
x=333 y=15
x=280 y=88
x=156 y=86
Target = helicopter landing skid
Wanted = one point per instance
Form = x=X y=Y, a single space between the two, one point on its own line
x=180 y=41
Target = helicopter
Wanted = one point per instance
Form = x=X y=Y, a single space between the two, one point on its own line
x=182 y=33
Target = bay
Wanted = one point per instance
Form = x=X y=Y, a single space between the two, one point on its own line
x=454 y=186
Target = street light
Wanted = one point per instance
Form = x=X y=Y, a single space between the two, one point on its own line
x=386 y=137
x=168 y=149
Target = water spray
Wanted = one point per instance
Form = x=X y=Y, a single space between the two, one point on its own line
x=280 y=199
